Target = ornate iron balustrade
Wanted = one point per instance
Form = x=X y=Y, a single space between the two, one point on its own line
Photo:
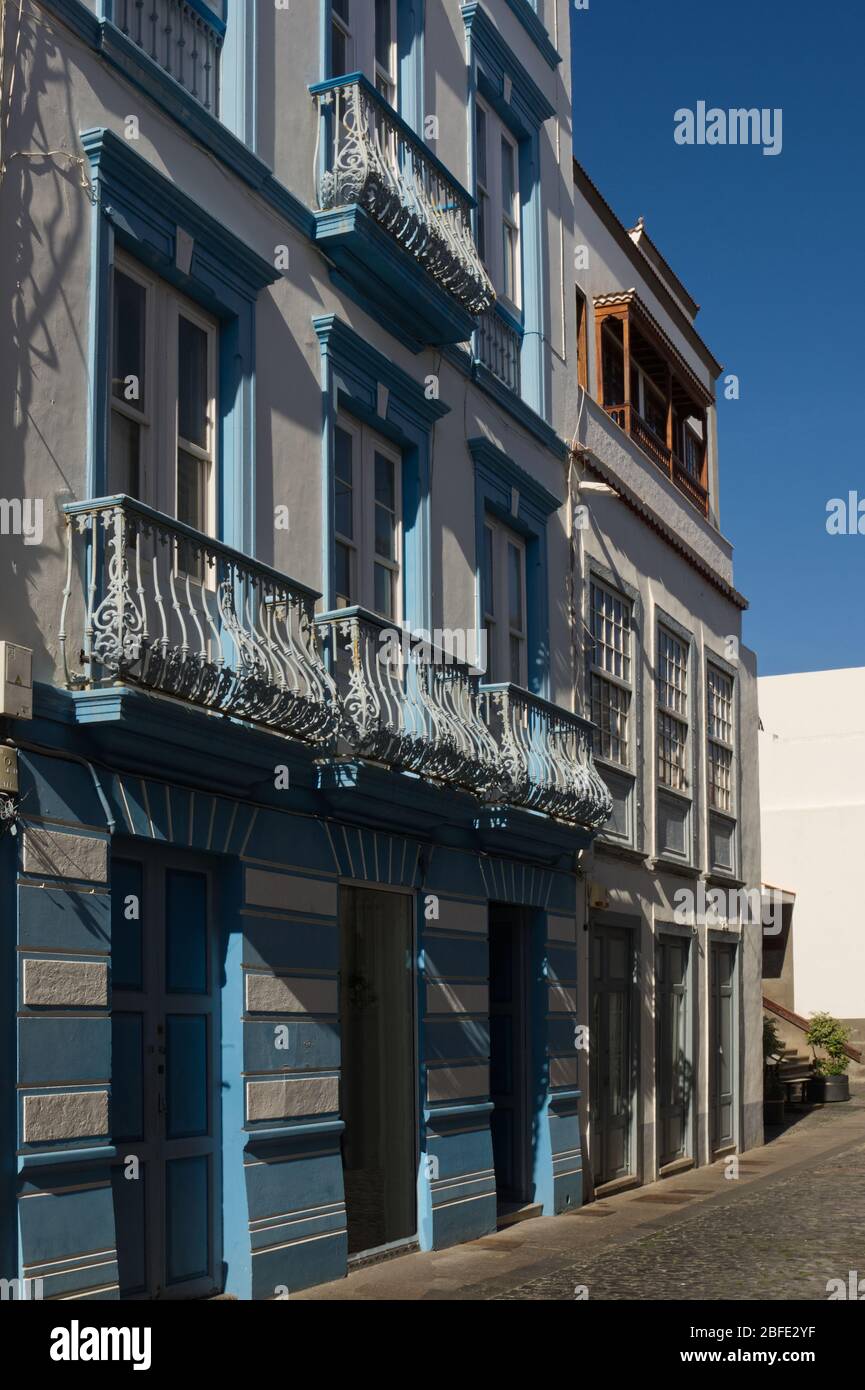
x=154 y=603
x=498 y=346
x=183 y=36
x=374 y=159
x=409 y=705
x=546 y=753
x=164 y=607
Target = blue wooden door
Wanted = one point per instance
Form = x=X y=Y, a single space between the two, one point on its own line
x=164 y=1075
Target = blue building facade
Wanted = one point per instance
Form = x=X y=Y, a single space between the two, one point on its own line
x=289 y=916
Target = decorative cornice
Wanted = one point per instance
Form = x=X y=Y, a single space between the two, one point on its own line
x=126 y=181
x=344 y=345
x=527 y=100
x=489 y=457
x=528 y=17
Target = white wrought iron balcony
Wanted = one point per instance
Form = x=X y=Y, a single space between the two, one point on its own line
x=499 y=346
x=183 y=36
x=409 y=706
x=153 y=603
x=159 y=605
x=370 y=158
x=546 y=754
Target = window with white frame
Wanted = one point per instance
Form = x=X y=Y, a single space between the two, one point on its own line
x=719 y=736
x=610 y=675
x=163 y=429
x=497 y=186
x=503 y=603
x=385 y=50
x=342 y=48
x=363 y=38
x=367 y=524
x=672 y=694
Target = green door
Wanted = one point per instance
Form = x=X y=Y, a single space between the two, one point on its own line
x=672 y=1063
x=723 y=1057
x=164 y=1025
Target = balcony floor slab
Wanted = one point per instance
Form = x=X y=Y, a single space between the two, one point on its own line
x=386 y=281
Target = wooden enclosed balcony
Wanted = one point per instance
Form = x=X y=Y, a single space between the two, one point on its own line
x=646 y=387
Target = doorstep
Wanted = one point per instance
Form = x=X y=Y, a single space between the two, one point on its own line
x=509 y=1213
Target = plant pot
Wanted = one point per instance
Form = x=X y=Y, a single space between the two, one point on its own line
x=773 y=1111
x=823 y=1090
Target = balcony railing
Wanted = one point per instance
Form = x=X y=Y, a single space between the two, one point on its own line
x=547 y=756
x=374 y=159
x=183 y=36
x=684 y=478
x=150 y=602
x=410 y=705
x=160 y=605
x=498 y=346
x=626 y=418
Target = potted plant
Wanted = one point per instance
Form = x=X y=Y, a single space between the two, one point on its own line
x=773 y=1086
x=828 y=1080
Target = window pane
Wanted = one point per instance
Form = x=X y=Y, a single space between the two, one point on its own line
x=383 y=36
x=130 y=301
x=516 y=661
x=341 y=8
x=509 y=258
x=384 y=533
x=384 y=591
x=488 y=588
x=344 y=587
x=481 y=144
x=124 y=469
x=343 y=484
x=385 y=487
x=508 y=184
x=482 y=225
x=190 y=490
x=193 y=395
x=338 y=57
x=515 y=586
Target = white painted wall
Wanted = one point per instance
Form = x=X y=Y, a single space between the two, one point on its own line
x=812 y=776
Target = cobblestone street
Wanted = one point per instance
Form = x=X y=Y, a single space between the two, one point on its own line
x=793 y=1220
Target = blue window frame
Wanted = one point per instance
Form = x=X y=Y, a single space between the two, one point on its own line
x=499 y=78
x=504 y=492
x=349 y=29
x=362 y=383
x=139 y=210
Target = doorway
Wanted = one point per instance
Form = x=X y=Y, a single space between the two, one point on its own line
x=673 y=1070
x=377 y=1080
x=723 y=1056
x=165 y=1078
x=510 y=1069
x=611 y=1060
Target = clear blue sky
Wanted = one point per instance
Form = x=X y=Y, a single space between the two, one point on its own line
x=771 y=248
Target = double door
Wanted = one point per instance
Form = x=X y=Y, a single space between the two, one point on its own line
x=164 y=1026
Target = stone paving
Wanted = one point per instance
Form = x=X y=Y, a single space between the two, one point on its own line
x=784 y=1240
x=793 y=1220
